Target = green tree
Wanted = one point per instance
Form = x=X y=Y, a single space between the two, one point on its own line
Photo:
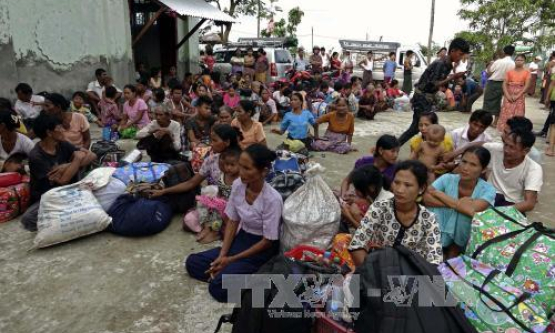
x=295 y=17
x=237 y=8
x=429 y=52
x=496 y=23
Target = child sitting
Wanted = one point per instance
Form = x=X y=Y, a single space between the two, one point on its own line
x=366 y=104
x=78 y=105
x=210 y=207
x=458 y=95
x=158 y=98
x=431 y=150
x=110 y=114
x=231 y=98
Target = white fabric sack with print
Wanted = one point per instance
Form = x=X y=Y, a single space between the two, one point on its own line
x=311 y=215
x=108 y=194
x=69 y=212
x=99 y=177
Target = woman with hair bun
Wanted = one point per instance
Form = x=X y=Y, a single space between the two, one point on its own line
x=12 y=142
x=75 y=126
x=341 y=127
x=252 y=229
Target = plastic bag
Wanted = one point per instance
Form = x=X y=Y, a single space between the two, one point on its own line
x=311 y=215
x=108 y=194
x=69 y=212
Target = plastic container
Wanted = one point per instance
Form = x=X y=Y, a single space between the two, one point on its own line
x=134 y=156
x=106 y=133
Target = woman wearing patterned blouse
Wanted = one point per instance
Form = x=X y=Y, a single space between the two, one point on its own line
x=400 y=220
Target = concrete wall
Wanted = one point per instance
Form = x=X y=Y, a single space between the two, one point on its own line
x=55 y=45
x=188 y=54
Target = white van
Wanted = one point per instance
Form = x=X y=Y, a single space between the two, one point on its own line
x=381 y=51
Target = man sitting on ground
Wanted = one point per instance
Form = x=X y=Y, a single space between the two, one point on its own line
x=53 y=162
x=161 y=138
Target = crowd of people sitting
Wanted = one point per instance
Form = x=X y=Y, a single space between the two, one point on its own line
x=425 y=202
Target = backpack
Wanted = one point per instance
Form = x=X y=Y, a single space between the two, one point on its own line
x=396 y=309
x=105 y=149
x=286 y=174
x=246 y=319
x=132 y=216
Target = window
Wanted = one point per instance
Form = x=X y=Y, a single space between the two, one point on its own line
x=283 y=57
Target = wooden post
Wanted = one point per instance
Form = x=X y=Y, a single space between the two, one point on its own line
x=149 y=24
x=190 y=33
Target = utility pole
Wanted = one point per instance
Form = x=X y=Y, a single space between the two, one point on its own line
x=312 y=37
x=258 y=22
x=366 y=36
x=431 y=33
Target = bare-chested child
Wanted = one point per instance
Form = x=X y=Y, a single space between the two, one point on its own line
x=431 y=150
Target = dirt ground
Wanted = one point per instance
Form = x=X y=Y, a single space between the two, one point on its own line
x=107 y=284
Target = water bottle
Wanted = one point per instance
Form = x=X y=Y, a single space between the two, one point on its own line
x=106 y=131
x=334 y=306
x=114 y=136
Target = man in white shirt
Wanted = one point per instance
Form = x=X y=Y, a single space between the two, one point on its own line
x=27 y=106
x=533 y=68
x=367 y=66
x=325 y=59
x=515 y=176
x=162 y=137
x=95 y=89
x=494 y=88
x=300 y=63
x=475 y=131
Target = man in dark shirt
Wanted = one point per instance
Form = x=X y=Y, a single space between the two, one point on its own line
x=437 y=74
x=53 y=162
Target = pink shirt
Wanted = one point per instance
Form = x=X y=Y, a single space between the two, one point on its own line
x=450 y=97
x=133 y=111
x=232 y=102
x=77 y=126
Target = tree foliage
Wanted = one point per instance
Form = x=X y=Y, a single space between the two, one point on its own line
x=287 y=29
x=237 y=8
x=496 y=23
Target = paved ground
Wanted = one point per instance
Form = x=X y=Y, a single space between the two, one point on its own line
x=107 y=284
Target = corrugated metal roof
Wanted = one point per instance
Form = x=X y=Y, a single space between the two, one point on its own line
x=197 y=8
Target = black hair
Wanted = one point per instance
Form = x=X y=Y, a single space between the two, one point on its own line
x=459 y=44
x=16 y=158
x=337 y=86
x=391 y=54
x=418 y=169
x=9 y=119
x=143 y=81
x=228 y=133
x=234 y=152
x=58 y=100
x=348 y=85
x=432 y=116
x=235 y=85
x=159 y=94
x=527 y=138
x=440 y=50
x=287 y=92
x=174 y=83
x=299 y=96
x=204 y=100
x=99 y=71
x=154 y=71
x=334 y=54
x=188 y=74
x=369 y=52
x=5 y=104
x=324 y=85
x=482 y=153
x=509 y=50
x=364 y=177
x=521 y=56
x=261 y=155
x=111 y=92
x=482 y=116
x=394 y=82
x=130 y=87
x=519 y=122
x=386 y=142
x=410 y=52
x=298 y=87
x=248 y=106
x=80 y=94
x=44 y=123
x=24 y=88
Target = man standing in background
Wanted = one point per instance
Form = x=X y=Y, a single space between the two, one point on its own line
x=494 y=88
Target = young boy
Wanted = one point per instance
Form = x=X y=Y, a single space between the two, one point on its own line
x=78 y=105
x=430 y=152
x=110 y=114
x=28 y=106
x=348 y=94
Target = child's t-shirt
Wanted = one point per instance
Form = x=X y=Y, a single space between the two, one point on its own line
x=450 y=97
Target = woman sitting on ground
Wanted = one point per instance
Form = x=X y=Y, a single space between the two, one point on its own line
x=384 y=158
x=251 y=130
x=367 y=103
x=400 y=220
x=455 y=198
x=198 y=128
x=297 y=122
x=75 y=127
x=223 y=137
x=135 y=112
x=341 y=127
x=162 y=137
x=252 y=230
